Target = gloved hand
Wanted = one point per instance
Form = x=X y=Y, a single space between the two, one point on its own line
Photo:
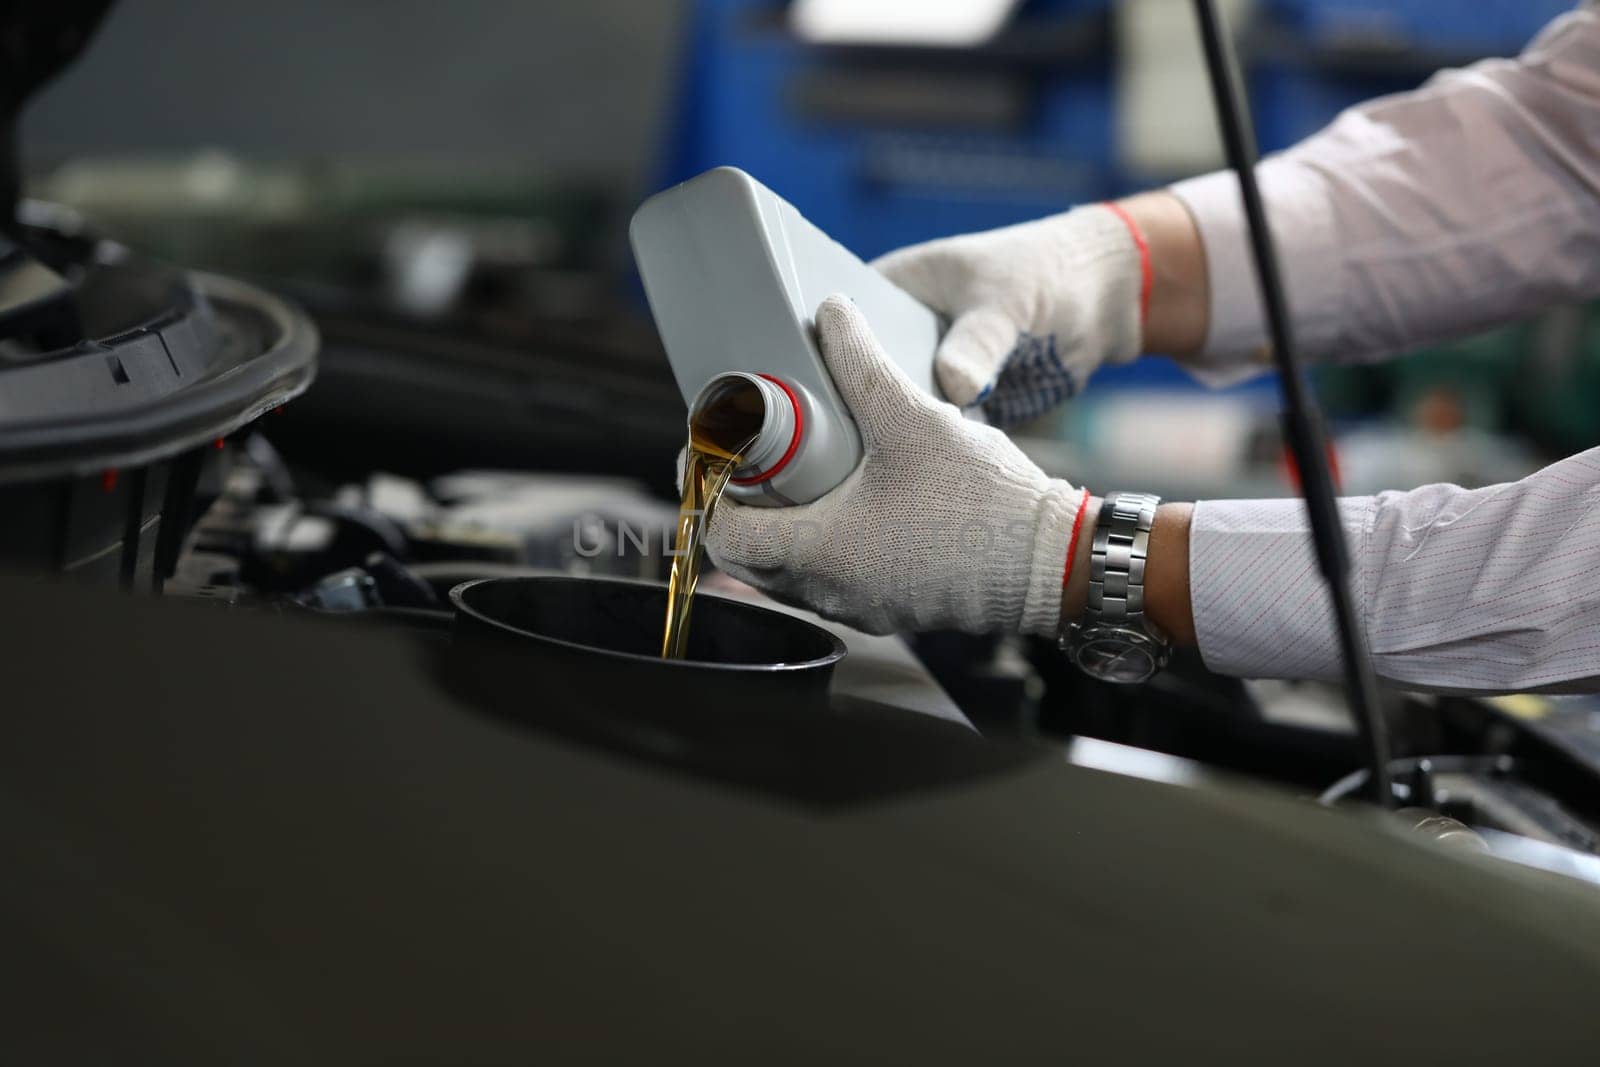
x=1035 y=307
x=944 y=524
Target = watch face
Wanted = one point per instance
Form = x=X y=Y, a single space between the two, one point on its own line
x=1116 y=655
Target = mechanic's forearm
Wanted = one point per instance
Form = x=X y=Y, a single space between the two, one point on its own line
x=1485 y=590
x=1166 y=574
x=1422 y=215
x=1180 y=297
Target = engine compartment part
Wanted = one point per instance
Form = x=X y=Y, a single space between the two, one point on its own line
x=166 y=362
x=119 y=377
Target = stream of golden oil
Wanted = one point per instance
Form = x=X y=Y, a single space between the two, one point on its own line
x=719 y=435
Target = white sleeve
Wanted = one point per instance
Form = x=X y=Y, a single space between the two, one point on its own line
x=1415 y=217
x=1482 y=590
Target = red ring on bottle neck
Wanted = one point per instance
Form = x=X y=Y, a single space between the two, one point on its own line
x=794 y=440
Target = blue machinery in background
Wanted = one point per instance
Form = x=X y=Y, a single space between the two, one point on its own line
x=882 y=146
x=1311 y=59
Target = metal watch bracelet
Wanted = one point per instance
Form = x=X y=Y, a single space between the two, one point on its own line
x=1117 y=558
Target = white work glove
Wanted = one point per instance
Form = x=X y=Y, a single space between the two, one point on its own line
x=945 y=524
x=1035 y=307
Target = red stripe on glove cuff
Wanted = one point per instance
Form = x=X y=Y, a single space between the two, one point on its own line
x=1072 y=545
x=1145 y=275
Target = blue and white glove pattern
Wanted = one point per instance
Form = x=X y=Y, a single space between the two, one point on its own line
x=1034 y=308
x=1032 y=381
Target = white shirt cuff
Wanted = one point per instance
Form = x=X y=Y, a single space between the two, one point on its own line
x=1303 y=229
x=1261 y=609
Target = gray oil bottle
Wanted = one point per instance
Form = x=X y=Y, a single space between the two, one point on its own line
x=734 y=275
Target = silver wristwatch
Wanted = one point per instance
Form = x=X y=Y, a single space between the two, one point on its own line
x=1113 y=641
